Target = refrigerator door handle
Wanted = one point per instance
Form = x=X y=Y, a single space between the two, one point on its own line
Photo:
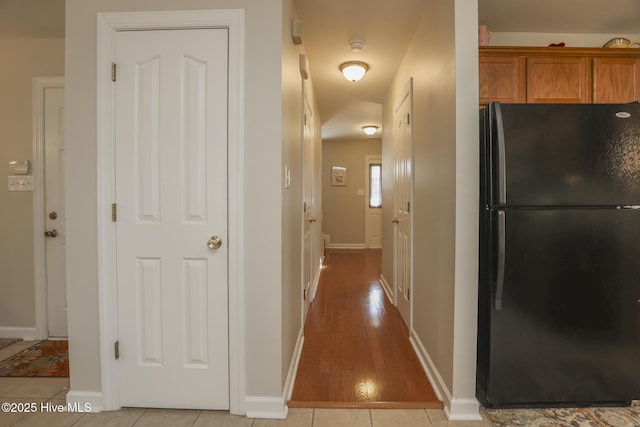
x=502 y=167
x=501 y=256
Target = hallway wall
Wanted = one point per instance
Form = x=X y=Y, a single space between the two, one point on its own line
x=23 y=59
x=442 y=60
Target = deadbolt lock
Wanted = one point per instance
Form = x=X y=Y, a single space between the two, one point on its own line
x=53 y=215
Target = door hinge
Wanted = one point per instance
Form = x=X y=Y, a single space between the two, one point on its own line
x=114 y=212
x=408 y=118
x=409 y=294
x=113 y=71
x=305 y=119
x=409 y=206
x=116 y=349
x=304 y=294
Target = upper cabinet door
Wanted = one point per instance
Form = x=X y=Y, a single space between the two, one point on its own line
x=502 y=79
x=558 y=80
x=616 y=80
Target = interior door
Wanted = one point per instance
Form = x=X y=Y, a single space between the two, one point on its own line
x=55 y=244
x=373 y=202
x=309 y=219
x=171 y=193
x=403 y=157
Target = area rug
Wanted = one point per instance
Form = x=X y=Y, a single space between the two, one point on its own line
x=578 y=417
x=6 y=342
x=44 y=359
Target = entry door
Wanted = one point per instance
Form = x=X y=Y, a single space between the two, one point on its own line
x=55 y=244
x=309 y=219
x=373 y=202
x=402 y=135
x=171 y=193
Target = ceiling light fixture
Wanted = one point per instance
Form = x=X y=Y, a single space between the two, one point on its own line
x=369 y=129
x=354 y=70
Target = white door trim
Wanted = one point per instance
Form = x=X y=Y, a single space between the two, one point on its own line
x=108 y=25
x=39 y=85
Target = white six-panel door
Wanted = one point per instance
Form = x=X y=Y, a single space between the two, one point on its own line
x=55 y=244
x=171 y=193
x=402 y=188
x=307 y=189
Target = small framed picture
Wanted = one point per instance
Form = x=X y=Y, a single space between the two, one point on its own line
x=338 y=175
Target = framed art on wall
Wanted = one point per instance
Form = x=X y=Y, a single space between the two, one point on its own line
x=338 y=175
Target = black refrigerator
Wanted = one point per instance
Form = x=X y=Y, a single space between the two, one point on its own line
x=559 y=270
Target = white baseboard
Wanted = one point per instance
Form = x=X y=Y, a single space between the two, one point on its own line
x=27 y=334
x=455 y=409
x=293 y=367
x=350 y=246
x=265 y=407
x=463 y=410
x=387 y=289
x=81 y=398
x=329 y=245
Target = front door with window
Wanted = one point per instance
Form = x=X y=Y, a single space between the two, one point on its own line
x=373 y=204
x=171 y=193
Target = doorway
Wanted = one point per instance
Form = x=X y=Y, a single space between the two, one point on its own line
x=48 y=208
x=143 y=195
x=403 y=198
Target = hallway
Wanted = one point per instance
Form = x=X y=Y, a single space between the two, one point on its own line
x=356 y=351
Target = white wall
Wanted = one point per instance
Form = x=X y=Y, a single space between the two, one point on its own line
x=264 y=135
x=23 y=59
x=442 y=59
x=291 y=259
x=292 y=198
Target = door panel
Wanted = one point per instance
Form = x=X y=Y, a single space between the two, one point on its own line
x=403 y=152
x=55 y=212
x=171 y=192
x=308 y=219
x=568 y=326
x=570 y=155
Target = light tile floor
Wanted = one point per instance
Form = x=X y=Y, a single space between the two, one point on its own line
x=38 y=391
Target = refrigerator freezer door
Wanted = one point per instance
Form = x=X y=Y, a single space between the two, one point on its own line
x=568 y=327
x=565 y=155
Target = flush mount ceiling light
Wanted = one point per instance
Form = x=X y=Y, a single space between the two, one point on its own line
x=370 y=129
x=354 y=70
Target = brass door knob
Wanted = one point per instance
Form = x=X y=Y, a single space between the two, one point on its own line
x=395 y=220
x=51 y=233
x=214 y=242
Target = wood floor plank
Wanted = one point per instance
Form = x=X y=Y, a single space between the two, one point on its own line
x=357 y=351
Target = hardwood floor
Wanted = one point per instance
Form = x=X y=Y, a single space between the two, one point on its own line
x=356 y=351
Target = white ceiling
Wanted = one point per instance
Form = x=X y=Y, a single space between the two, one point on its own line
x=386 y=26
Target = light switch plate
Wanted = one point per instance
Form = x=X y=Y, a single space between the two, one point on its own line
x=20 y=183
x=360 y=192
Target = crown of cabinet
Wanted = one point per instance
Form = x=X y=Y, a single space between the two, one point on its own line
x=559 y=74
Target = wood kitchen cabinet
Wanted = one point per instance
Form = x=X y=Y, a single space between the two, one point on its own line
x=616 y=80
x=559 y=75
x=557 y=80
x=502 y=79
